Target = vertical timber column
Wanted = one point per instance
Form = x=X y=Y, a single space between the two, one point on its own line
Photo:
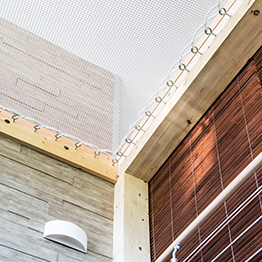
x=131 y=220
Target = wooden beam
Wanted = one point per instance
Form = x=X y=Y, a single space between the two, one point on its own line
x=216 y=68
x=131 y=220
x=43 y=141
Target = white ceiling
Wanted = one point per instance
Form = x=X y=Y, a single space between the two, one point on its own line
x=138 y=40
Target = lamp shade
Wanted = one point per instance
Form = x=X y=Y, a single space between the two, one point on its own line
x=66 y=233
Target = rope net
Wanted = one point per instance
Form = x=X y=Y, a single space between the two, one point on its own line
x=129 y=46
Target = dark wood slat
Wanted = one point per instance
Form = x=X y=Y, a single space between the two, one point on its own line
x=217 y=149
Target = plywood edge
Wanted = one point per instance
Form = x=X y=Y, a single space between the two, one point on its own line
x=22 y=131
x=205 y=82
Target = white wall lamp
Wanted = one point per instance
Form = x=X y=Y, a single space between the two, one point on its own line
x=66 y=233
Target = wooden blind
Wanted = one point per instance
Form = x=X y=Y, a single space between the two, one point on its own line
x=218 y=148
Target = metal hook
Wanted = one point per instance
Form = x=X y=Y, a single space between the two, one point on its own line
x=114 y=161
x=57 y=135
x=183 y=67
x=129 y=141
x=159 y=99
x=195 y=50
x=36 y=127
x=96 y=153
x=78 y=144
x=119 y=153
x=223 y=11
x=14 y=116
x=209 y=31
x=148 y=113
x=139 y=128
x=176 y=248
x=170 y=83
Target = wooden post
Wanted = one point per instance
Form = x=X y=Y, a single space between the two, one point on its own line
x=131 y=220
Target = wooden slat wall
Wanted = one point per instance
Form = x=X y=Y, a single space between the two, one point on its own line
x=215 y=151
x=34 y=189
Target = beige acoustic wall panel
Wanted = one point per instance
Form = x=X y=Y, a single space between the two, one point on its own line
x=43 y=81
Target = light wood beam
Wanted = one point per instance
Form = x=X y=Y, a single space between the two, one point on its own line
x=43 y=141
x=225 y=57
x=131 y=220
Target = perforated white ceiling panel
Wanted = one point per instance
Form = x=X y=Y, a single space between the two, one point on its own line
x=137 y=40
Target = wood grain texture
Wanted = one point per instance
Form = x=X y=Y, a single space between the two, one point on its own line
x=131 y=231
x=34 y=189
x=43 y=141
x=214 y=152
x=215 y=69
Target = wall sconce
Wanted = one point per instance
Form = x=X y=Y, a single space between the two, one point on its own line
x=66 y=233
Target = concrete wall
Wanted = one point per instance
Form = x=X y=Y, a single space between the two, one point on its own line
x=35 y=189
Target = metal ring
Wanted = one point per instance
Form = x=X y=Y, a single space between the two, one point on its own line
x=148 y=113
x=159 y=99
x=223 y=11
x=114 y=161
x=169 y=83
x=195 y=50
x=96 y=153
x=77 y=144
x=129 y=141
x=183 y=67
x=119 y=153
x=209 y=31
x=139 y=128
